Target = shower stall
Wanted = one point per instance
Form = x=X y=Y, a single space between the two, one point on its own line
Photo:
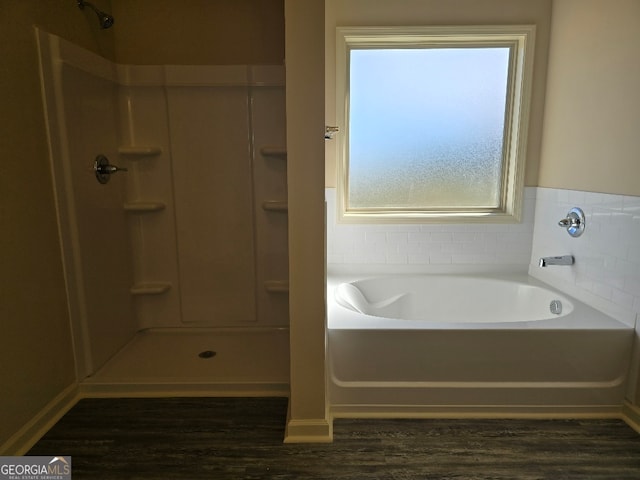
x=171 y=195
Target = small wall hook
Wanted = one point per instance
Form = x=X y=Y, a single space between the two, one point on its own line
x=574 y=222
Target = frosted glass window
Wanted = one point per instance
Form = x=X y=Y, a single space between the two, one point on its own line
x=426 y=127
x=434 y=122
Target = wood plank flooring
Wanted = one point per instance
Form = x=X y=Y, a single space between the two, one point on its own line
x=232 y=438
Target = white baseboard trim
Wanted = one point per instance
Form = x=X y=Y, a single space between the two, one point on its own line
x=316 y=430
x=631 y=416
x=25 y=438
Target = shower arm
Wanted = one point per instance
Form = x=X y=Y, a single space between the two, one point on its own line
x=105 y=19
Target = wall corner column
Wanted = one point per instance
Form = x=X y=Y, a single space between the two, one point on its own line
x=308 y=419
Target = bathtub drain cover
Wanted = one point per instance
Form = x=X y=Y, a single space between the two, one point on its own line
x=207 y=354
x=556 y=307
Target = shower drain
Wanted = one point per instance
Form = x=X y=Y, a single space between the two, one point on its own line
x=207 y=354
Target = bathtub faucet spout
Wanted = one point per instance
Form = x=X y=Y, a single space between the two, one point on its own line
x=562 y=260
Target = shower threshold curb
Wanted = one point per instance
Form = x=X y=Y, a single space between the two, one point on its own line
x=184 y=389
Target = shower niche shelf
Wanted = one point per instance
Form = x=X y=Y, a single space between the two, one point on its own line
x=276 y=286
x=151 y=288
x=273 y=151
x=139 y=151
x=275 y=206
x=144 y=207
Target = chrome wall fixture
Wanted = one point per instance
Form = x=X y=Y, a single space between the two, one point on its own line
x=103 y=170
x=559 y=260
x=574 y=222
x=106 y=20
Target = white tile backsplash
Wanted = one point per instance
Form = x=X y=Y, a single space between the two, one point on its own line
x=606 y=274
x=431 y=245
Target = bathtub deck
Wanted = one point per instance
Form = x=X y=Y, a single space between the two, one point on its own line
x=227 y=438
x=168 y=362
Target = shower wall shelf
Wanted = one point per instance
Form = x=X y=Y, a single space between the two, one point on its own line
x=275 y=206
x=273 y=151
x=144 y=207
x=139 y=151
x=156 y=288
x=276 y=286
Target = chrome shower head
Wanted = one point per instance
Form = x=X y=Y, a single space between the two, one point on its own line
x=105 y=19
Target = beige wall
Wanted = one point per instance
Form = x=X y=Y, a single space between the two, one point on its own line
x=199 y=32
x=591 y=137
x=439 y=12
x=36 y=360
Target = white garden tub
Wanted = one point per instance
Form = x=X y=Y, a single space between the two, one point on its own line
x=450 y=344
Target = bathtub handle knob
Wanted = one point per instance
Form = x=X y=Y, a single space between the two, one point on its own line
x=574 y=222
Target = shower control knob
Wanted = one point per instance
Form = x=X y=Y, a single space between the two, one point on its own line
x=574 y=222
x=103 y=169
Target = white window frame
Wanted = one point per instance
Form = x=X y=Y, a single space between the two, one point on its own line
x=519 y=38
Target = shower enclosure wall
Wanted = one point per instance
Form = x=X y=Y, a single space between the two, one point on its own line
x=177 y=267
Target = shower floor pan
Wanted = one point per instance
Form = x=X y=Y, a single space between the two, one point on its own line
x=197 y=361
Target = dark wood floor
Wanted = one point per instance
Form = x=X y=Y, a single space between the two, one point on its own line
x=222 y=438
